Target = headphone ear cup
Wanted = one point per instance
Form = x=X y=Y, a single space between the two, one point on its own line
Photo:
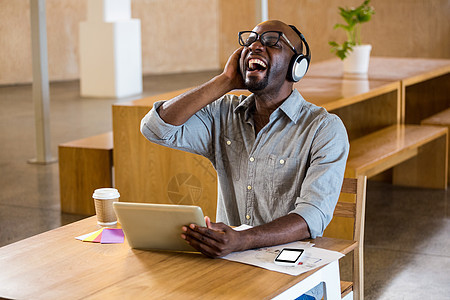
x=297 y=67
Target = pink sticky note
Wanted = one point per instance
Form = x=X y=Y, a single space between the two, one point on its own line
x=93 y=236
x=112 y=236
x=98 y=239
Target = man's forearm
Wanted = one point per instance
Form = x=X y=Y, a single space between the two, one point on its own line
x=218 y=239
x=179 y=109
x=286 y=229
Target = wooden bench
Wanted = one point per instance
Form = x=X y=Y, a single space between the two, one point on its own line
x=417 y=154
x=440 y=119
x=84 y=165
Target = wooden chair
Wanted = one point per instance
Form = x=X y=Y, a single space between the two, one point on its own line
x=356 y=210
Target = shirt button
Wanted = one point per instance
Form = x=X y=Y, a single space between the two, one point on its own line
x=281 y=161
x=249 y=187
x=228 y=143
x=252 y=158
x=247 y=217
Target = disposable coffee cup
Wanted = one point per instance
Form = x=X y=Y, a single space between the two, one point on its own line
x=103 y=200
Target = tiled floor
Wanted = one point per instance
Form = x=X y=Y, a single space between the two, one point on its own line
x=407 y=230
x=406 y=243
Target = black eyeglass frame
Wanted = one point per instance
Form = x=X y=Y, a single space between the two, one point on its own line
x=259 y=37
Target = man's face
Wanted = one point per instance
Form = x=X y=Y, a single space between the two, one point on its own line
x=264 y=68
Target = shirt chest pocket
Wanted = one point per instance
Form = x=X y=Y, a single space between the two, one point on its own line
x=283 y=175
x=231 y=156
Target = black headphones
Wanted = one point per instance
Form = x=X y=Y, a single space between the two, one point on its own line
x=299 y=64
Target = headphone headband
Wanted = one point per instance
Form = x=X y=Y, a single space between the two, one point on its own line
x=299 y=64
x=302 y=37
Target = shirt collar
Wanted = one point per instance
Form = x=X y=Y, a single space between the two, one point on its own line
x=245 y=105
x=291 y=107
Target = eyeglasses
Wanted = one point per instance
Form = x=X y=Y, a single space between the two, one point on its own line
x=268 y=38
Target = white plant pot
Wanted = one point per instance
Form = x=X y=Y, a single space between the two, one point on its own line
x=357 y=61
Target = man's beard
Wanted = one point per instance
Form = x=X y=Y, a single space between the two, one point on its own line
x=254 y=86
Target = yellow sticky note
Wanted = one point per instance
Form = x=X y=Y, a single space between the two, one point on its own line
x=93 y=236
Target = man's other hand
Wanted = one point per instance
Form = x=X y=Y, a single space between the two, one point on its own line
x=214 y=240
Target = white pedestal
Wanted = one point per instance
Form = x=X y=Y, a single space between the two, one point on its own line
x=108 y=10
x=110 y=51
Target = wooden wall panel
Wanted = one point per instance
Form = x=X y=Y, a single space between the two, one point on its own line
x=62 y=39
x=404 y=28
x=177 y=36
x=174 y=31
x=235 y=16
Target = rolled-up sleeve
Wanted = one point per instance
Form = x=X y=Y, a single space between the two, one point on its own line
x=192 y=136
x=154 y=128
x=322 y=184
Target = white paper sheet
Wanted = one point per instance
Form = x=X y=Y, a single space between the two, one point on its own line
x=263 y=257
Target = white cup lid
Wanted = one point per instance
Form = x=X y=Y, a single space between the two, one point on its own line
x=106 y=193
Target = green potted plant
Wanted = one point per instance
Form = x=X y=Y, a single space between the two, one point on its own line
x=354 y=54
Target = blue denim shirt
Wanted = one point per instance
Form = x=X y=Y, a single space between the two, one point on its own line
x=295 y=164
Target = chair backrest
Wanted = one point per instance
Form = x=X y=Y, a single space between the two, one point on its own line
x=356 y=210
x=357 y=187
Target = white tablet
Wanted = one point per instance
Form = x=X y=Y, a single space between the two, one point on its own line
x=151 y=226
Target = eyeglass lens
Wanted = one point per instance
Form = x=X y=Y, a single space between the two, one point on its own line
x=268 y=38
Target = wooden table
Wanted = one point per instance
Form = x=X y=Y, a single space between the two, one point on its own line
x=54 y=265
x=425 y=82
